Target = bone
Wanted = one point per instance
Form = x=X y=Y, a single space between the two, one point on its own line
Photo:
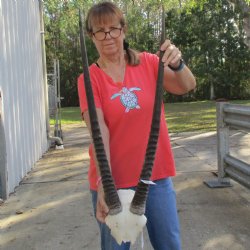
x=126 y=226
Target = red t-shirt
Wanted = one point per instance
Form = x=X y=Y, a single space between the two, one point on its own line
x=128 y=112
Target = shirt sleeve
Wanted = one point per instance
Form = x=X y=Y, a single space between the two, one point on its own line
x=82 y=94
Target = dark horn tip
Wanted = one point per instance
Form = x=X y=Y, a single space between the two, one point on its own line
x=139 y=210
x=114 y=211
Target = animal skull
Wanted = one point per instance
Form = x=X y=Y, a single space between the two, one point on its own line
x=125 y=226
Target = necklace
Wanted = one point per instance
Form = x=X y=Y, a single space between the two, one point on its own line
x=120 y=84
x=117 y=73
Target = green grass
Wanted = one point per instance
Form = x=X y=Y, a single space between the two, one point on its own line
x=193 y=116
x=190 y=116
x=181 y=117
x=71 y=115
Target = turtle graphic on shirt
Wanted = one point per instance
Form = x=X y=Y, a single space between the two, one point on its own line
x=128 y=98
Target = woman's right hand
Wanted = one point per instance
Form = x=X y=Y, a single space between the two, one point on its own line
x=101 y=206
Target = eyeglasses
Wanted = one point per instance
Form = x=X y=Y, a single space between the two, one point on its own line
x=101 y=35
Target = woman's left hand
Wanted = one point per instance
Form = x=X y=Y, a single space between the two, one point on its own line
x=101 y=206
x=172 y=54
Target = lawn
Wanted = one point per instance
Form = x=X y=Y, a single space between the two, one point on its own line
x=181 y=117
x=190 y=116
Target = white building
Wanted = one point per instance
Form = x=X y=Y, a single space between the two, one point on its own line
x=23 y=89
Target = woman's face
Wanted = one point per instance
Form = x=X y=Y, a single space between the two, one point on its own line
x=112 y=42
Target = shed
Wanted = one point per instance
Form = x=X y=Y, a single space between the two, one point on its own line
x=24 y=121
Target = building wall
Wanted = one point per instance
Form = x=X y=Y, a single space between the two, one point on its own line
x=22 y=88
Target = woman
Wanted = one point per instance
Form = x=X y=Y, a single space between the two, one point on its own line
x=123 y=83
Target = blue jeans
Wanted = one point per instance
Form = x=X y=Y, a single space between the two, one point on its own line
x=162 y=219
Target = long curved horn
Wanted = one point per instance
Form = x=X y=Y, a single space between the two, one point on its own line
x=139 y=201
x=111 y=196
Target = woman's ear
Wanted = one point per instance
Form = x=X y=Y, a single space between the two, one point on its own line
x=91 y=37
x=125 y=28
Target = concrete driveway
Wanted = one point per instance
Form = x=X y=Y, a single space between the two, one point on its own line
x=51 y=209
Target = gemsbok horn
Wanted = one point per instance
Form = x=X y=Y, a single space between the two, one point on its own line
x=126 y=207
x=111 y=196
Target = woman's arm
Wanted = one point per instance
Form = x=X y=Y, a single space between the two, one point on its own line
x=104 y=133
x=176 y=82
x=101 y=206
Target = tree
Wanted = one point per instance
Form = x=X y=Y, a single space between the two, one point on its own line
x=214 y=48
x=210 y=33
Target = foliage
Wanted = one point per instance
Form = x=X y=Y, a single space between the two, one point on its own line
x=62 y=42
x=214 y=49
x=210 y=33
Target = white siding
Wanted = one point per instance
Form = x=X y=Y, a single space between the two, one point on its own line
x=21 y=83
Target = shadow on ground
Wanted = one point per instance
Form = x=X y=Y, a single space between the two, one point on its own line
x=51 y=209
